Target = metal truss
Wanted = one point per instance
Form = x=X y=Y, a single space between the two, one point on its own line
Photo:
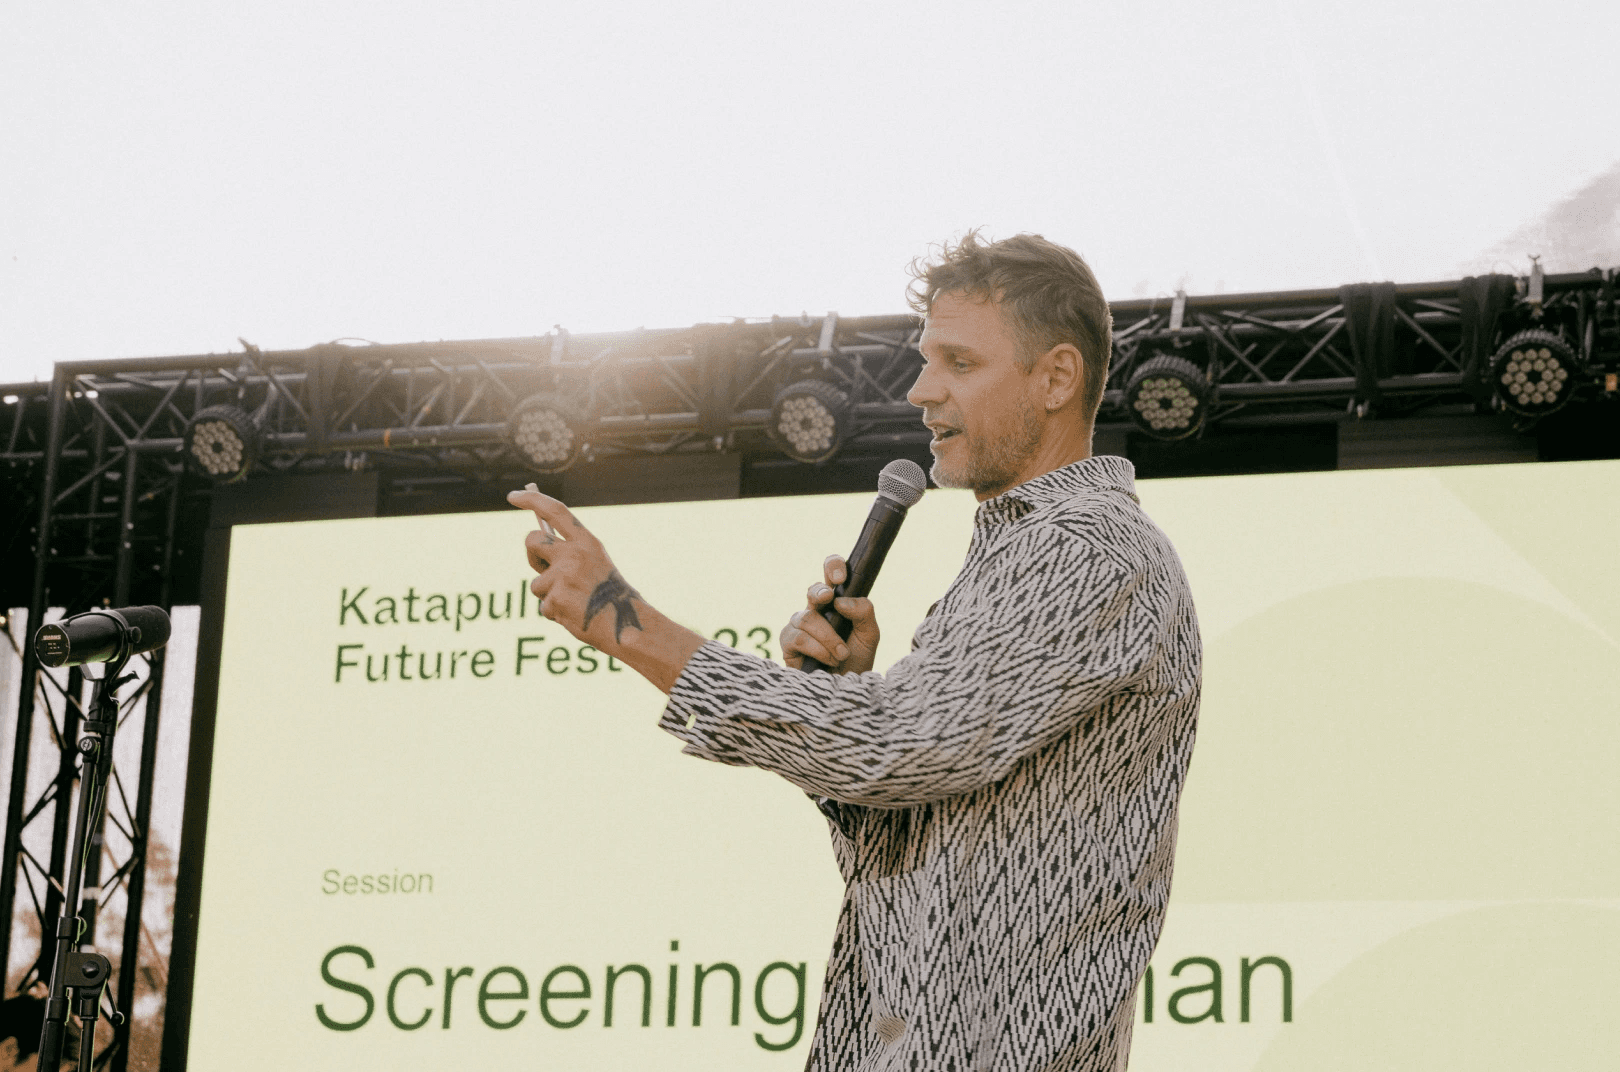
x=1366 y=350
x=426 y=408
x=96 y=492
x=107 y=503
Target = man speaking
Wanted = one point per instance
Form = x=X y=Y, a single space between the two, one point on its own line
x=1003 y=800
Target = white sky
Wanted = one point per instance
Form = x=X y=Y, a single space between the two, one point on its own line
x=173 y=176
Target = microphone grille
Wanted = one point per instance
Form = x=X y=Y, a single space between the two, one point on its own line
x=903 y=481
x=153 y=622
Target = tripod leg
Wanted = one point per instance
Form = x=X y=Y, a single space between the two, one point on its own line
x=89 y=1011
x=87 y=1045
x=50 y=1043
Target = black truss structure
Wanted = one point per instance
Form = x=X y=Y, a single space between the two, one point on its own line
x=101 y=509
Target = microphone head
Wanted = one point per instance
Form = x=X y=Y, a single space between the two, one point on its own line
x=153 y=623
x=902 y=481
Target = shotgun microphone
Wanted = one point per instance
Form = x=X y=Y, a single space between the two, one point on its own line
x=900 y=486
x=100 y=636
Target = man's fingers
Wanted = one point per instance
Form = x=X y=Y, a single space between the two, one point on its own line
x=833 y=569
x=818 y=631
x=543 y=548
x=800 y=641
x=856 y=610
x=819 y=594
x=552 y=514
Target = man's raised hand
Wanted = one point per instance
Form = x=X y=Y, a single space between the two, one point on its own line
x=807 y=633
x=577 y=585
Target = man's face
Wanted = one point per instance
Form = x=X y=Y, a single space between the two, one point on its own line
x=975 y=398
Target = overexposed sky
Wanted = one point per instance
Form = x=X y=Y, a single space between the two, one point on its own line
x=175 y=175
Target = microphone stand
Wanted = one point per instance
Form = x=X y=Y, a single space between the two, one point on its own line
x=86 y=974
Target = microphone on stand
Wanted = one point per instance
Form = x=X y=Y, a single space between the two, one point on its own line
x=97 y=636
x=100 y=636
x=900 y=486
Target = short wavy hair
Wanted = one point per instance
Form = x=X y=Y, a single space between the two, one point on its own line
x=1047 y=291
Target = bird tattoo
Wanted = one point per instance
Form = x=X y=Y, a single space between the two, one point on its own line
x=614 y=592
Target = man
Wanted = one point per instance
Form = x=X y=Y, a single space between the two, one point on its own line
x=1003 y=800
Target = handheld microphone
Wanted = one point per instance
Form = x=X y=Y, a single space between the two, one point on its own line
x=900 y=486
x=98 y=636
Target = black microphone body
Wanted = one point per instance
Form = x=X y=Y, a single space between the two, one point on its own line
x=100 y=635
x=862 y=565
x=877 y=534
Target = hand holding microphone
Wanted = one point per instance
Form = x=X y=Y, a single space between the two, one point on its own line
x=809 y=635
x=839 y=617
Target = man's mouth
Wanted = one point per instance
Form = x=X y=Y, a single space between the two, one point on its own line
x=942 y=434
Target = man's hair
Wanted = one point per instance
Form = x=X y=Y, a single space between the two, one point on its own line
x=1046 y=291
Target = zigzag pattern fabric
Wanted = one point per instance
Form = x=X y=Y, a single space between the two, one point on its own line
x=1003 y=800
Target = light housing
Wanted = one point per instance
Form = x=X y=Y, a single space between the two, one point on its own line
x=1534 y=373
x=545 y=430
x=810 y=420
x=1168 y=397
x=221 y=443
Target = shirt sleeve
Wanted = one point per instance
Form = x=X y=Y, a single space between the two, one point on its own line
x=1046 y=640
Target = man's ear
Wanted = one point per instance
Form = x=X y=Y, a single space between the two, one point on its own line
x=1065 y=375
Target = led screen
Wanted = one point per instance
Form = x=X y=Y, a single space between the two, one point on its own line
x=442 y=833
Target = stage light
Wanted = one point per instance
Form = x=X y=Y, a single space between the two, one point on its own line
x=1168 y=397
x=221 y=443
x=544 y=428
x=809 y=420
x=1534 y=373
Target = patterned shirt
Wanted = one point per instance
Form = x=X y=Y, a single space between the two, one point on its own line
x=1003 y=800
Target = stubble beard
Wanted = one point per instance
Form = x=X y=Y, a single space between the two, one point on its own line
x=996 y=466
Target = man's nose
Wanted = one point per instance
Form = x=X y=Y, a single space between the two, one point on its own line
x=927 y=391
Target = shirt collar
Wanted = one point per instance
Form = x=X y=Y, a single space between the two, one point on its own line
x=1100 y=472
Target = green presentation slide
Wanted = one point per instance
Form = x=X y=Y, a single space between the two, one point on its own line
x=442 y=833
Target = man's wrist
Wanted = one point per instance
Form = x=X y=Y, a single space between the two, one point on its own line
x=659 y=650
